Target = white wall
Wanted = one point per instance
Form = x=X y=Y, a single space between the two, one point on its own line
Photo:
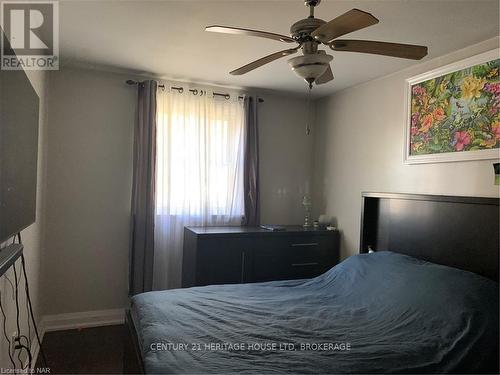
x=89 y=181
x=359 y=147
x=32 y=236
x=286 y=155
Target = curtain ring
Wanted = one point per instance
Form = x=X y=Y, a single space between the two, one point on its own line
x=195 y=92
x=227 y=96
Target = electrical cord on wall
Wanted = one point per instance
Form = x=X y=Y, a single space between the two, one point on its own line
x=11 y=284
x=18 y=340
x=23 y=263
x=29 y=324
x=18 y=344
x=17 y=301
x=27 y=338
x=5 y=332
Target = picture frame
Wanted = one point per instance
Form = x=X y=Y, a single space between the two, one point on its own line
x=459 y=153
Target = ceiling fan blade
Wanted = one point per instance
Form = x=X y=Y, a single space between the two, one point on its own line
x=249 y=32
x=262 y=61
x=348 y=22
x=325 y=77
x=405 y=51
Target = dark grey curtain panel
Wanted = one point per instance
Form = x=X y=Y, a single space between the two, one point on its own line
x=251 y=172
x=143 y=191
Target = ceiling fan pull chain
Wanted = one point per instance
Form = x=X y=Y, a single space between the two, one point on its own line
x=308 y=122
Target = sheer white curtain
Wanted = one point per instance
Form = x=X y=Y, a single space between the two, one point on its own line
x=199 y=179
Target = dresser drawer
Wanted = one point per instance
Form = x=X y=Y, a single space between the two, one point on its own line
x=294 y=257
x=282 y=266
x=322 y=244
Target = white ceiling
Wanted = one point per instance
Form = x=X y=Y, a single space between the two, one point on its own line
x=167 y=38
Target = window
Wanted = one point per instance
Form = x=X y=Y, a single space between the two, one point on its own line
x=200 y=143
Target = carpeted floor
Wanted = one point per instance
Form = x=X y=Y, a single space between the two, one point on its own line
x=84 y=351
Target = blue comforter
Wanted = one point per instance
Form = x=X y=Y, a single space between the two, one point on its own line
x=372 y=313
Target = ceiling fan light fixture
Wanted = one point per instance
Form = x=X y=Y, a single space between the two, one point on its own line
x=309 y=33
x=310 y=67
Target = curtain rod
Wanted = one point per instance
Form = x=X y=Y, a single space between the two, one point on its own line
x=194 y=91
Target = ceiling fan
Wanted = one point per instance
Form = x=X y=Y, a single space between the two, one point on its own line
x=309 y=33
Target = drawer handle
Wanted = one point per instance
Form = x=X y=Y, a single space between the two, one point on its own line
x=304 y=264
x=304 y=244
x=242 y=266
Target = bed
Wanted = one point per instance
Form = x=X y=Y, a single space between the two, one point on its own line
x=421 y=297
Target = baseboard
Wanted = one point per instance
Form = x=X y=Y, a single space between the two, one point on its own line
x=84 y=319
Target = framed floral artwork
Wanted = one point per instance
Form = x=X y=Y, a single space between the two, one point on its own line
x=453 y=113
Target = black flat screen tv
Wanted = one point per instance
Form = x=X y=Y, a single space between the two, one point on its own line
x=18 y=152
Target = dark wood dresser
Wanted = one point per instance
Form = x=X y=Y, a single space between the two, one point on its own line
x=229 y=255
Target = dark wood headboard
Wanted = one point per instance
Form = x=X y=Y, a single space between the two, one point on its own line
x=460 y=232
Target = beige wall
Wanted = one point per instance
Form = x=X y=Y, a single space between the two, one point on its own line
x=32 y=236
x=359 y=146
x=286 y=155
x=89 y=176
x=90 y=139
